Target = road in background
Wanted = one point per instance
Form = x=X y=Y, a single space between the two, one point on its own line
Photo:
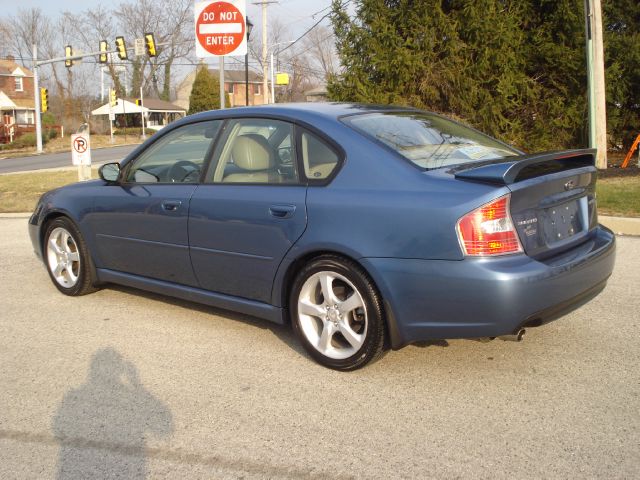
x=124 y=384
x=62 y=159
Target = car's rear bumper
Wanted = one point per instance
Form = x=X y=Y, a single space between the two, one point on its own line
x=488 y=297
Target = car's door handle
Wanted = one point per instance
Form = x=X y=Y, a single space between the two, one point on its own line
x=282 y=211
x=171 y=205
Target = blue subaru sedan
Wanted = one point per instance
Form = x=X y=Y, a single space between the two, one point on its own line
x=365 y=227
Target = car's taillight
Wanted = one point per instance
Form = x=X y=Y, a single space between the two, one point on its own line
x=489 y=230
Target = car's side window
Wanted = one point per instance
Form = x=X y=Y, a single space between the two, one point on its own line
x=177 y=157
x=318 y=158
x=256 y=150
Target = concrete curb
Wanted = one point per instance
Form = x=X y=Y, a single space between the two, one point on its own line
x=15 y=215
x=619 y=225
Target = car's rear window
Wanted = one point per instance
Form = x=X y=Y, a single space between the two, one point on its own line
x=429 y=140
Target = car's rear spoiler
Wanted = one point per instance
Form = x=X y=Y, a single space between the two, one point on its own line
x=509 y=171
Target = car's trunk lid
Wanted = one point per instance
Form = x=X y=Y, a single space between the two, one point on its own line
x=552 y=196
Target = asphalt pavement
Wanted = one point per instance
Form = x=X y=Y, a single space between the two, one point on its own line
x=124 y=384
x=62 y=159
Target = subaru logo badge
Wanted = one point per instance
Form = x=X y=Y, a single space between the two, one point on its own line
x=570 y=185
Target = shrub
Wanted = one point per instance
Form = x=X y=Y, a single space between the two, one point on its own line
x=133 y=131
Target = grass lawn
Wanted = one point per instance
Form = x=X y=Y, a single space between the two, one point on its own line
x=619 y=197
x=19 y=192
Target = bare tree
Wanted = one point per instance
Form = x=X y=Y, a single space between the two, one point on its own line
x=5 y=32
x=26 y=28
x=85 y=31
x=171 y=22
x=320 y=45
x=278 y=33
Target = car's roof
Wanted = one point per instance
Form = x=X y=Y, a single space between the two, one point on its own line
x=309 y=110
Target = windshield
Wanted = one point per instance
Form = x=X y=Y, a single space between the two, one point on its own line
x=428 y=140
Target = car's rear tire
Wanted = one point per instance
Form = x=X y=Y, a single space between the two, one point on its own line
x=67 y=258
x=337 y=313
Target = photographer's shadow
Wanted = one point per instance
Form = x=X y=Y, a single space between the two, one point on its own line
x=101 y=425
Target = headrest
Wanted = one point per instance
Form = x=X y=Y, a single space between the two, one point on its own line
x=252 y=152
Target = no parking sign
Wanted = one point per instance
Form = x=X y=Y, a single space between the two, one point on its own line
x=80 y=149
x=220 y=28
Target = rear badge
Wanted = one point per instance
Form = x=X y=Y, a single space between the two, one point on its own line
x=528 y=221
x=570 y=185
x=530 y=226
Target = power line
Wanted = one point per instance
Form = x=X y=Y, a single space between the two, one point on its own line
x=326 y=15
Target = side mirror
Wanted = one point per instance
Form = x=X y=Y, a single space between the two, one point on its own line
x=109 y=172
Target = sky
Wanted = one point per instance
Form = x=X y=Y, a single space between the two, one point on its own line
x=296 y=14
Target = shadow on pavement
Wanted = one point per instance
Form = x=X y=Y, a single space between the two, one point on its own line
x=101 y=425
x=283 y=332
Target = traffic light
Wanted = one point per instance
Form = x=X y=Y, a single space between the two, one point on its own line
x=113 y=97
x=150 y=43
x=68 y=53
x=121 y=47
x=104 y=46
x=139 y=102
x=44 y=100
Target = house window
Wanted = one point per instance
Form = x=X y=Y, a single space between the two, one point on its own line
x=24 y=117
x=19 y=86
x=256 y=88
x=230 y=88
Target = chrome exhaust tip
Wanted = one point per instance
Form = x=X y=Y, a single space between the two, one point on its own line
x=516 y=337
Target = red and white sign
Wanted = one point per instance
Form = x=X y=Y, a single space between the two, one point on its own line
x=220 y=28
x=80 y=149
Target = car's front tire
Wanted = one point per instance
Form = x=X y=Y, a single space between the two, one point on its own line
x=337 y=313
x=67 y=258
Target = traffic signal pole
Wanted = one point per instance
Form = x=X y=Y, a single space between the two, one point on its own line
x=36 y=87
x=36 y=98
x=144 y=134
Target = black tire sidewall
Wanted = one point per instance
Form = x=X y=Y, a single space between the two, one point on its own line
x=374 y=339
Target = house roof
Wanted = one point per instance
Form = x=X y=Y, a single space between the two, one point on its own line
x=8 y=67
x=128 y=105
x=7 y=103
x=236 y=76
x=317 y=92
x=155 y=104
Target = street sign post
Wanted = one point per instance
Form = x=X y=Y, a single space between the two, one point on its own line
x=139 y=48
x=81 y=154
x=220 y=28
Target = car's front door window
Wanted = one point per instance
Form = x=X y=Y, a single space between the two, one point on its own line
x=177 y=157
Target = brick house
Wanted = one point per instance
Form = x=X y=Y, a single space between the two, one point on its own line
x=17 y=106
x=234 y=85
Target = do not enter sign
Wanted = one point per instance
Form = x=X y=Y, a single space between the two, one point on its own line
x=220 y=28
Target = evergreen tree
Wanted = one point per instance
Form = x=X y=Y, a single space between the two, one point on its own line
x=622 y=59
x=205 y=93
x=513 y=68
x=397 y=52
x=555 y=59
x=497 y=94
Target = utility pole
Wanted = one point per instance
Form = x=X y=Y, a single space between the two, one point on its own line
x=265 y=70
x=596 y=81
x=223 y=97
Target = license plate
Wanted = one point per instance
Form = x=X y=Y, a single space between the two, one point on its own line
x=562 y=221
